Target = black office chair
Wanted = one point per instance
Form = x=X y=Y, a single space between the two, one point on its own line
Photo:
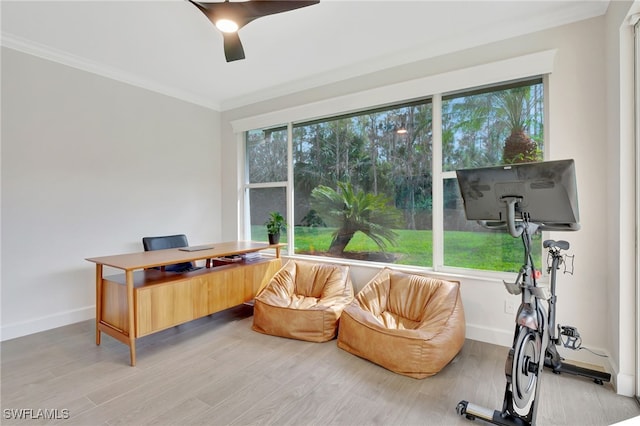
x=167 y=242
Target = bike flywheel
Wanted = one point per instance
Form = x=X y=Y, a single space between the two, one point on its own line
x=527 y=356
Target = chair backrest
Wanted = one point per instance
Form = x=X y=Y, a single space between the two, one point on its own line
x=410 y=296
x=164 y=242
x=321 y=280
x=168 y=242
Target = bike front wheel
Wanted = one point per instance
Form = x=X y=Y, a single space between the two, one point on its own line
x=524 y=368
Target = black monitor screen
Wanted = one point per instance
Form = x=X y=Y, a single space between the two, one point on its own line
x=547 y=192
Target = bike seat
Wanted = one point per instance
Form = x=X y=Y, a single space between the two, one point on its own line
x=562 y=245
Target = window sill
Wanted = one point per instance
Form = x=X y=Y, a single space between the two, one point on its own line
x=450 y=273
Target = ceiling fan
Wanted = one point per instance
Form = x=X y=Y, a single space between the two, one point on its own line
x=229 y=17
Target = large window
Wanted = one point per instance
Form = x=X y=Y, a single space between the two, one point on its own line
x=362 y=185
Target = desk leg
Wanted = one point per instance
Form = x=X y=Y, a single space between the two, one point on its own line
x=98 y=301
x=132 y=330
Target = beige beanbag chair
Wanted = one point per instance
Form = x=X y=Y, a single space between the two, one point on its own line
x=303 y=301
x=410 y=324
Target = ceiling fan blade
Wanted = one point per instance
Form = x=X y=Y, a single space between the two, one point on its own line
x=233 y=50
x=258 y=8
x=243 y=12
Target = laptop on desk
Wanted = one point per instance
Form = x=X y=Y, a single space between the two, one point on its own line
x=197 y=248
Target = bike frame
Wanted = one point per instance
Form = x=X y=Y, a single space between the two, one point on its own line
x=531 y=323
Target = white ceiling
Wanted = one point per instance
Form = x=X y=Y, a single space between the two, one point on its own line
x=171 y=47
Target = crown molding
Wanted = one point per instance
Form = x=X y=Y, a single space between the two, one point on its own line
x=51 y=54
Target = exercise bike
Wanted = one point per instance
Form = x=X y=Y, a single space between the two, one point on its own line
x=525 y=359
x=517 y=198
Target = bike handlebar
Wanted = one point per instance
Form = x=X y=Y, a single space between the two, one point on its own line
x=542 y=226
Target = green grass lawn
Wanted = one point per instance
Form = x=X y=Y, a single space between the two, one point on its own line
x=496 y=251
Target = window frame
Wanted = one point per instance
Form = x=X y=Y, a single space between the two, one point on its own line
x=538 y=65
x=248 y=186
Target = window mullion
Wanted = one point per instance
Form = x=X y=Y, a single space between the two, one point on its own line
x=243 y=176
x=289 y=189
x=437 y=205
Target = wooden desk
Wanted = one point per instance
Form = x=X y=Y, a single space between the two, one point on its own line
x=142 y=301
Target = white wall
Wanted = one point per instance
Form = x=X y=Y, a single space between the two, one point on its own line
x=621 y=194
x=577 y=129
x=89 y=167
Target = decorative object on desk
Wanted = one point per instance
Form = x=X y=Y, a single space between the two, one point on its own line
x=229 y=259
x=275 y=225
x=251 y=257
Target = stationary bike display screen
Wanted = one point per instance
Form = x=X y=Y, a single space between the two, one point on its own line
x=546 y=191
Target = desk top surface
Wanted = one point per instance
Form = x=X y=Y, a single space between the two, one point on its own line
x=150 y=259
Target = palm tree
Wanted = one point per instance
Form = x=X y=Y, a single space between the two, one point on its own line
x=516 y=103
x=352 y=211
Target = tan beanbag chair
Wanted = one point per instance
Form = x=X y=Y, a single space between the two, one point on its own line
x=410 y=324
x=303 y=301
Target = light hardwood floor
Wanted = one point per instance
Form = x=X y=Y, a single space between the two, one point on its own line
x=217 y=371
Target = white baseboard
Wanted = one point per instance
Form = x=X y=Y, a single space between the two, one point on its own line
x=24 y=328
x=494 y=336
x=625 y=384
x=634 y=421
